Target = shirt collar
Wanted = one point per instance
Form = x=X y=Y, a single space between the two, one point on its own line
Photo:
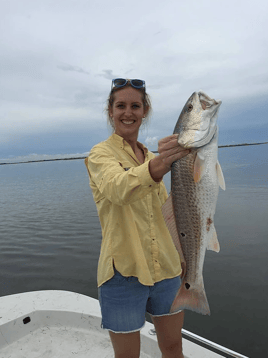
x=122 y=143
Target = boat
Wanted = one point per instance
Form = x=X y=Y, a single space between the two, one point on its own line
x=62 y=324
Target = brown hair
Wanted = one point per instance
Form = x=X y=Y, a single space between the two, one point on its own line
x=145 y=99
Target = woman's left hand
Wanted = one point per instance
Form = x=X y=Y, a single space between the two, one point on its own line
x=169 y=151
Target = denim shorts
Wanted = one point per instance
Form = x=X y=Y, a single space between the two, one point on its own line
x=124 y=301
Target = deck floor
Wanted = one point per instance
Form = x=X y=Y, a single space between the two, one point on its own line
x=63 y=342
x=48 y=342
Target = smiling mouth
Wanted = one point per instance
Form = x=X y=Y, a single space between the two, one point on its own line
x=128 y=122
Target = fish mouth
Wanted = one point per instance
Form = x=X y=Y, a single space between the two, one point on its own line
x=201 y=133
x=189 y=139
x=203 y=141
x=208 y=102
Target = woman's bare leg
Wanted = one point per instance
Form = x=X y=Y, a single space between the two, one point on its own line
x=126 y=344
x=168 y=330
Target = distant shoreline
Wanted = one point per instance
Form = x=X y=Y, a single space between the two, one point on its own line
x=42 y=160
x=154 y=151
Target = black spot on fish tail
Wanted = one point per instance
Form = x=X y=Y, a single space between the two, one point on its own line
x=187 y=286
x=182 y=234
x=209 y=222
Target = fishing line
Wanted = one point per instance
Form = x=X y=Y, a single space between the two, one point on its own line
x=153 y=151
x=232 y=145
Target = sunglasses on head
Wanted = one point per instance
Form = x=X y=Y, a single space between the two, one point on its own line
x=121 y=82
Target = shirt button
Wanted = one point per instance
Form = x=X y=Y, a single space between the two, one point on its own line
x=150 y=186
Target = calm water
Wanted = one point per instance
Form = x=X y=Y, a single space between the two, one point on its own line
x=50 y=239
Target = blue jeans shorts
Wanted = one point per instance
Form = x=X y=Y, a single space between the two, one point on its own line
x=124 y=301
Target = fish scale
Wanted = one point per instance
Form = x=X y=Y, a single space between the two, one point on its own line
x=193 y=204
x=189 y=211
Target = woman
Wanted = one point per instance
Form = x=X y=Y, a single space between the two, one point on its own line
x=139 y=268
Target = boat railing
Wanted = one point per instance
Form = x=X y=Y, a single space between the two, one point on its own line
x=217 y=348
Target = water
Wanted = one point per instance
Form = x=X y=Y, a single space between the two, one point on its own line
x=50 y=239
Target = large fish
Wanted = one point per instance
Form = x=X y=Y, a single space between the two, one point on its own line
x=189 y=210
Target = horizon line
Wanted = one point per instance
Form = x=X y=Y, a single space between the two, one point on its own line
x=153 y=151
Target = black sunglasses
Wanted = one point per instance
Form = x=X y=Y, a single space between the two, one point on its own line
x=121 y=82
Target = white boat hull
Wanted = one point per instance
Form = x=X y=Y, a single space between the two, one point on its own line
x=61 y=324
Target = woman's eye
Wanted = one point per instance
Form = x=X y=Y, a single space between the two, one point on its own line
x=134 y=106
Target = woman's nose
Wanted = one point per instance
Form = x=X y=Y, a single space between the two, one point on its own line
x=128 y=111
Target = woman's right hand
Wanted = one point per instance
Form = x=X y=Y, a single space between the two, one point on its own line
x=169 y=151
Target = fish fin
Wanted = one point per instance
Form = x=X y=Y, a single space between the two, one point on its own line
x=168 y=214
x=220 y=176
x=193 y=299
x=199 y=167
x=213 y=243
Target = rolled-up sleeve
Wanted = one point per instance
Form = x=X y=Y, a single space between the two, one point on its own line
x=118 y=185
x=135 y=238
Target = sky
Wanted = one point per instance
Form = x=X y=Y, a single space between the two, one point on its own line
x=58 y=59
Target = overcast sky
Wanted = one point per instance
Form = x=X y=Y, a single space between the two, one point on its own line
x=57 y=60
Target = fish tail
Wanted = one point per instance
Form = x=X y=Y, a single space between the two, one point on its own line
x=193 y=299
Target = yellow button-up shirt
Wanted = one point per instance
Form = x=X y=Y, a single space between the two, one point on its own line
x=134 y=235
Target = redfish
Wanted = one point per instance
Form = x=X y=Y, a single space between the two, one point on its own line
x=190 y=208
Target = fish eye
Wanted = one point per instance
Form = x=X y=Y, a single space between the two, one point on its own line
x=190 y=107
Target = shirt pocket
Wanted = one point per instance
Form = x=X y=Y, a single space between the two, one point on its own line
x=125 y=165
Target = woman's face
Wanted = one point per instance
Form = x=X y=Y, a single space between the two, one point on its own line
x=127 y=112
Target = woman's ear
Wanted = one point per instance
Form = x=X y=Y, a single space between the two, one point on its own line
x=146 y=111
x=111 y=113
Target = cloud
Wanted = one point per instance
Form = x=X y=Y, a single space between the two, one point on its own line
x=56 y=77
x=151 y=141
x=108 y=74
x=67 y=67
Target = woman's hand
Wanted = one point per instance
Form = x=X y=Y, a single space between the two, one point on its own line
x=169 y=151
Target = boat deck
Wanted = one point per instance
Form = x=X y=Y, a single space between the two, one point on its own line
x=61 y=342
x=65 y=324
